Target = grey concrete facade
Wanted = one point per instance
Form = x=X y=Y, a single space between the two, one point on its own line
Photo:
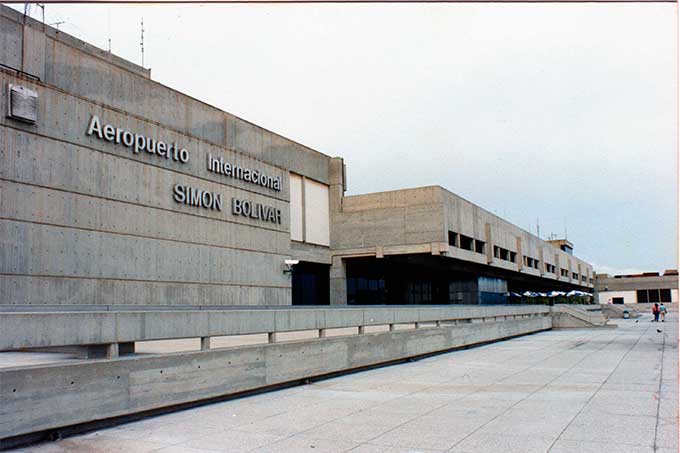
x=90 y=222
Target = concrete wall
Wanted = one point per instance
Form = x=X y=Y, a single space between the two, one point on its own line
x=629 y=297
x=87 y=221
x=399 y=218
x=48 y=397
x=634 y=283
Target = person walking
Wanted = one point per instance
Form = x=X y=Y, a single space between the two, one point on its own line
x=662 y=311
x=655 y=312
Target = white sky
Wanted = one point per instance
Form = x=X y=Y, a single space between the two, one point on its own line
x=550 y=111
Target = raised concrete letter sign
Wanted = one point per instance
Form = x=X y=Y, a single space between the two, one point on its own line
x=137 y=142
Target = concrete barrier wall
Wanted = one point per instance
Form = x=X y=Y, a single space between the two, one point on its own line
x=575 y=316
x=48 y=329
x=38 y=398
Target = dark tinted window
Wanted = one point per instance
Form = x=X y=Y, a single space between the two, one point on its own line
x=466 y=242
x=665 y=295
x=452 y=238
x=653 y=295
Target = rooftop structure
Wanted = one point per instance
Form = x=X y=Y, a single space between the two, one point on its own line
x=646 y=287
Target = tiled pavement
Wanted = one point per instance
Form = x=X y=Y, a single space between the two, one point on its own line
x=610 y=390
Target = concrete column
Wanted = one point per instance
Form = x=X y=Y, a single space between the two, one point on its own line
x=520 y=255
x=112 y=351
x=362 y=330
x=336 y=176
x=205 y=343
x=271 y=337
x=569 y=267
x=338 y=282
x=322 y=333
x=489 y=243
x=304 y=209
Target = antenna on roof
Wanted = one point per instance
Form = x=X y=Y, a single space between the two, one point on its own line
x=538 y=228
x=565 y=228
x=141 y=43
x=27 y=10
x=57 y=24
x=109 y=18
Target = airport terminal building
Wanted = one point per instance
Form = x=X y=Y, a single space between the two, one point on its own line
x=116 y=190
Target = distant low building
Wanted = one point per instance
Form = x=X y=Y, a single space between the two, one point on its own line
x=648 y=287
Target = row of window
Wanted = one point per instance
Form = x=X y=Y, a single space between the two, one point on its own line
x=475 y=245
x=531 y=262
x=466 y=242
x=653 y=295
x=504 y=254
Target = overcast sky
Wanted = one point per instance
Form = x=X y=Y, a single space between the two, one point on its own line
x=562 y=113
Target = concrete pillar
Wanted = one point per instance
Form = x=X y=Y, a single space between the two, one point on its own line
x=336 y=176
x=126 y=348
x=271 y=337
x=112 y=351
x=205 y=343
x=338 y=282
x=520 y=255
x=489 y=243
x=362 y=330
x=102 y=351
x=322 y=333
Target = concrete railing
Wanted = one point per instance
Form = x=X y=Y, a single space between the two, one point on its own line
x=22 y=330
x=37 y=400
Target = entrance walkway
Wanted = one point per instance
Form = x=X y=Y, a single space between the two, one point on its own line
x=613 y=390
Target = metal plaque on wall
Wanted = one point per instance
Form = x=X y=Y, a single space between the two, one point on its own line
x=22 y=104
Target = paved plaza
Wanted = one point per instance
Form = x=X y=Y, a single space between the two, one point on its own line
x=581 y=390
